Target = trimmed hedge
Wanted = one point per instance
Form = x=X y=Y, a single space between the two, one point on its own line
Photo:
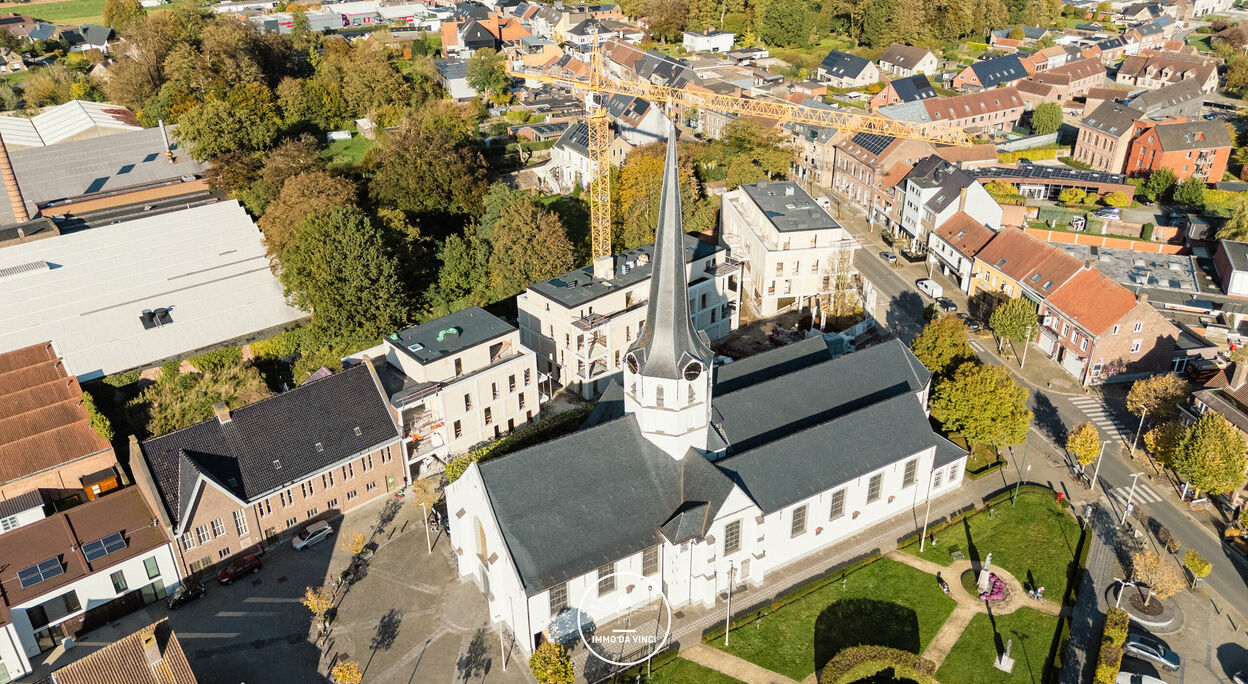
x=278 y=346
x=122 y=379
x=1109 y=660
x=1034 y=154
x=97 y=420
x=217 y=359
x=543 y=430
x=861 y=662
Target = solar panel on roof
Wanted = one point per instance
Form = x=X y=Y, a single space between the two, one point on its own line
x=102 y=547
x=872 y=142
x=35 y=574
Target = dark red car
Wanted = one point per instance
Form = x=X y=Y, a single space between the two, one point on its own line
x=239 y=568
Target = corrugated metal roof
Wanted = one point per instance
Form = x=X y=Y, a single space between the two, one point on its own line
x=206 y=264
x=65 y=121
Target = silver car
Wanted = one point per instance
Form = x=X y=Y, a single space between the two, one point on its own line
x=312 y=534
x=1153 y=651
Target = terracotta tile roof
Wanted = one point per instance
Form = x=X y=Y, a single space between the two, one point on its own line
x=964 y=234
x=42 y=421
x=127 y=660
x=895 y=175
x=983 y=152
x=1057 y=267
x=1014 y=253
x=1093 y=301
x=973 y=104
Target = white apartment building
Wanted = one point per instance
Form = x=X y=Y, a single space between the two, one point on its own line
x=935 y=190
x=454 y=383
x=790 y=248
x=76 y=571
x=695 y=478
x=581 y=323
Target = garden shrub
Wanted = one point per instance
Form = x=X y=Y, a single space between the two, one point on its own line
x=862 y=662
x=169 y=370
x=97 y=420
x=1146 y=233
x=1109 y=660
x=278 y=346
x=122 y=379
x=217 y=359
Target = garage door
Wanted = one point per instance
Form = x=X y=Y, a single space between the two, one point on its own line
x=1046 y=343
x=1072 y=363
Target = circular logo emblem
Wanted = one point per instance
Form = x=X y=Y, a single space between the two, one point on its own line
x=641 y=624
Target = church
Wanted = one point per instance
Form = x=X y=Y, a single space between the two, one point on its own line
x=696 y=475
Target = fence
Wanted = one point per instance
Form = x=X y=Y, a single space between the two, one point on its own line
x=1103 y=241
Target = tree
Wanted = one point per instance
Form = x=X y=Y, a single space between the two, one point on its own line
x=318 y=601
x=1160 y=395
x=120 y=14
x=246 y=119
x=1197 y=564
x=1158 y=183
x=1237 y=76
x=182 y=399
x=1115 y=199
x=1158 y=573
x=1084 y=443
x=942 y=345
x=354 y=544
x=984 y=403
x=427 y=165
x=302 y=195
x=1236 y=227
x=528 y=245
x=1000 y=189
x=1016 y=33
x=1046 y=118
x=665 y=18
x=347 y=672
x=1190 y=192
x=786 y=23
x=338 y=267
x=487 y=73
x=1015 y=320
x=1072 y=195
x=550 y=664
x=1211 y=455
x=876 y=21
x=98 y=421
x=637 y=194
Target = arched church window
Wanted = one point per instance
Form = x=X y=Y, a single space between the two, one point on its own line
x=658 y=396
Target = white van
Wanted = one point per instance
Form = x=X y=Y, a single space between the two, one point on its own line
x=930 y=287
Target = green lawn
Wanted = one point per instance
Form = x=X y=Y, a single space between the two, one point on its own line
x=810 y=57
x=1035 y=541
x=69 y=11
x=680 y=671
x=886 y=603
x=971 y=659
x=1201 y=41
x=347 y=152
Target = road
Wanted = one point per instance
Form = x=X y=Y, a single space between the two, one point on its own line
x=900 y=307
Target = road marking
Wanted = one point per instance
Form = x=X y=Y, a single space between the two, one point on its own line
x=243 y=613
x=1099 y=416
x=1142 y=494
x=268 y=599
x=975 y=346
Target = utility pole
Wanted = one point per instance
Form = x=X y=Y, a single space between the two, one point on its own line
x=1138 y=431
x=1135 y=478
x=728 y=615
x=1096 y=473
x=1020 y=473
x=425 y=515
x=1026 y=344
x=928 y=514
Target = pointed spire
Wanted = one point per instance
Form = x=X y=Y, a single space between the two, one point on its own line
x=669 y=340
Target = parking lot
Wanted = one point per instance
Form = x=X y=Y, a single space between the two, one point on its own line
x=408 y=619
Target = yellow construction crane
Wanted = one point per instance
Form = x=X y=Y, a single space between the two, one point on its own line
x=601 y=84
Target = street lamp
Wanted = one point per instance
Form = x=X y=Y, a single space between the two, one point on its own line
x=1135 y=477
x=1097 y=472
x=1138 y=430
x=728 y=613
x=928 y=514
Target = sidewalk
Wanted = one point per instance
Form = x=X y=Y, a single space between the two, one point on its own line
x=1040 y=373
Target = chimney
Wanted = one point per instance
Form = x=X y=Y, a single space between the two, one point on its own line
x=962 y=199
x=164 y=135
x=1088 y=264
x=223 y=413
x=10 y=184
x=151 y=647
x=1239 y=374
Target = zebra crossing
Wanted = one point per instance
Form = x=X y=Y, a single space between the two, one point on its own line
x=1143 y=494
x=1109 y=425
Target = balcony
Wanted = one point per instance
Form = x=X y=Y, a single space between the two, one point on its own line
x=727 y=266
x=593 y=321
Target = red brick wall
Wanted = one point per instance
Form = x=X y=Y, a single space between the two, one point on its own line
x=1157 y=339
x=65 y=476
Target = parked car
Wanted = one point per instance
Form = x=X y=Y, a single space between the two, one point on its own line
x=188 y=591
x=1133 y=678
x=888 y=257
x=240 y=568
x=946 y=305
x=1151 y=650
x=1210 y=117
x=1110 y=213
x=1240 y=677
x=930 y=287
x=311 y=535
x=971 y=323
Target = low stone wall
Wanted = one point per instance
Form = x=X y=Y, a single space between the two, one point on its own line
x=1104 y=241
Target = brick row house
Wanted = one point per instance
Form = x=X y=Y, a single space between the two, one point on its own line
x=1153 y=69
x=1198 y=149
x=1093 y=327
x=1073 y=79
x=935 y=190
x=1105 y=136
x=989 y=111
x=868 y=169
x=250 y=477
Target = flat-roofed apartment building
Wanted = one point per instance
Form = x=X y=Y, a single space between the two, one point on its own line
x=580 y=323
x=454 y=383
x=790 y=248
x=250 y=477
x=48 y=449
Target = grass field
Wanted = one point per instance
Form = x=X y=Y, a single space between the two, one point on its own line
x=886 y=603
x=66 y=12
x=347 y=152
x=971 y=659
x=680 y=671
x=1034 y=540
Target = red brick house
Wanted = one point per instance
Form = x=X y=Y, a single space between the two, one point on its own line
x=1099 y=332
x=1188 y=148
x=1073 y=79
x=250 y=477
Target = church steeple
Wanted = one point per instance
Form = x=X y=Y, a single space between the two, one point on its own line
x=667 y=376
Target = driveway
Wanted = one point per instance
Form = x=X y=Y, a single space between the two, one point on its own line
x=409 y=619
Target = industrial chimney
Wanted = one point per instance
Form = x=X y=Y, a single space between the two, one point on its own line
x=10 y=184
x=164 y=135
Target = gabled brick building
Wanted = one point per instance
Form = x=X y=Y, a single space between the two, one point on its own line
x=1188 y=148
x=1105 y=136
x=252 y=476
x=1073 y=79
x=1153 y=69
